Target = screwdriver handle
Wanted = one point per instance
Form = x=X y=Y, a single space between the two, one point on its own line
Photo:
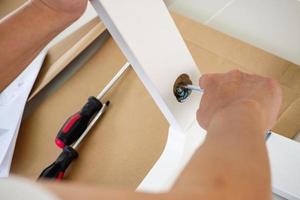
x=57 y=169
x=77 y=123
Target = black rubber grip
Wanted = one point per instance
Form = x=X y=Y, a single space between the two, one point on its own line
x=57 y=169
x=77 y=123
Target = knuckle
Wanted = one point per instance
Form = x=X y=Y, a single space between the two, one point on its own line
x=202 y=79
x=207 y=80
x=235 y=74
x=274 y=86
x=272 y=83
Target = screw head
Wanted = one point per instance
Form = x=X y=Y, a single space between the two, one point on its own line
x=180 y=91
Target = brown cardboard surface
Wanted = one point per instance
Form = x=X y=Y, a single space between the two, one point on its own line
x=122 y=147
x=132 y=134
x=7 y=6
x=61 y=54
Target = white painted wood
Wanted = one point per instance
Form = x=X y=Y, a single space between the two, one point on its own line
x=147 y=35
x=178 y=151
x=164 y=173
x=284 y=156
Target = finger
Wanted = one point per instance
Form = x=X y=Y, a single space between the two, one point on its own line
x=209 y=80
x=253 y=77
x=233 y=75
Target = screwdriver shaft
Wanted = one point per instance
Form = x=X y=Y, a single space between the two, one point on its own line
x=113 y=81
x=194 y=88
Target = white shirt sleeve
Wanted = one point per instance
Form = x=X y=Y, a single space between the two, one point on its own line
x=21 y=189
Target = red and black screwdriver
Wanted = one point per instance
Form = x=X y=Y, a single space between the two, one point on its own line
x=57 y=169
x=77 y=123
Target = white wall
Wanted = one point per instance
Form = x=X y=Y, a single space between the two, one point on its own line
x=273 y=25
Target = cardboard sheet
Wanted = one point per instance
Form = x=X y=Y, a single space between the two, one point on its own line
x=132 y=135
x=61 y=54
x=7 y=6
x=121 y=148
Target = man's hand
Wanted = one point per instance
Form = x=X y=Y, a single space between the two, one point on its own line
x=28 y=29
x=236 y=109
x=233 y=89
x=70 y=8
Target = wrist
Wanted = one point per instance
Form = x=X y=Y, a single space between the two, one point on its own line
x=60 y=17
x=246 y=114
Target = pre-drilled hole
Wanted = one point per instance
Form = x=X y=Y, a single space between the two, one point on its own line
x=180 y=92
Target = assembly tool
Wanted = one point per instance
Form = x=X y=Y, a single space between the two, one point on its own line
x=78 y=122
x=57 y=169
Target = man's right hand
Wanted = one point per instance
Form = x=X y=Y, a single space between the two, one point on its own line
x=231 y=90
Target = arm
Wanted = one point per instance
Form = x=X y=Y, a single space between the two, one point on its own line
x=236 y=110
x=232 y=163
x=29 y=29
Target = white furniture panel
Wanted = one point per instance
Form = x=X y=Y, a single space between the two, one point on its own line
x=148 y=37
x=284 y=156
